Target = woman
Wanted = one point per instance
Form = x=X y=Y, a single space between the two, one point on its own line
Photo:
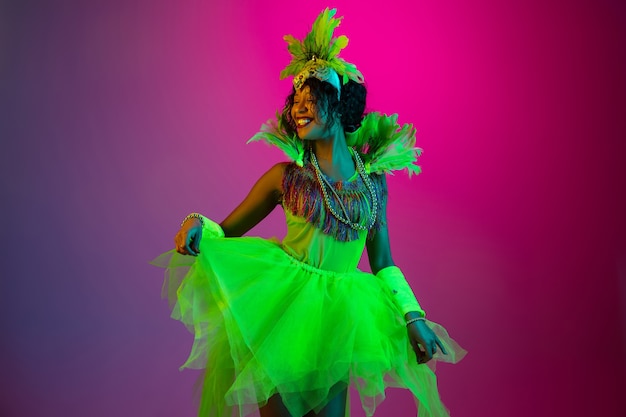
x=285 y=327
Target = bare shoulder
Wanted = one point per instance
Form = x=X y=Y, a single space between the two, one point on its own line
x=274 y=176
x=278 y=169
x=276 y=172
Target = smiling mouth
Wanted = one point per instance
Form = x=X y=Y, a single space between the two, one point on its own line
x=303 y=122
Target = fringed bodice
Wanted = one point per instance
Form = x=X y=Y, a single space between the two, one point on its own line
x=303 y=197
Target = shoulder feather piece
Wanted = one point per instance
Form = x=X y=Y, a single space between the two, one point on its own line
x=274 y=133
x=382 y=143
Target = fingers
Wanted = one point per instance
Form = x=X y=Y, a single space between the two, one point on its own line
x=430 y=352
x=443 y=349
x=188 y=243
x=426 y=346
x=421 y=354
x=436 y=343
x=179 y=244
x=424 y=353
x=195 y=244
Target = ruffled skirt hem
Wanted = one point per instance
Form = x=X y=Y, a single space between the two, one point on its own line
x=265 y=323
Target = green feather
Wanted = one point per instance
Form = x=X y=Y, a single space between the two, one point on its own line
x=386 y=146
x=319 y=42
x=273 y=133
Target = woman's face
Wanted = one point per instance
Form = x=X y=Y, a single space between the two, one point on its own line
x=310 y=125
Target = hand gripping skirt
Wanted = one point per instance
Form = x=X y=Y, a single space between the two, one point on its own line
x=265 y=323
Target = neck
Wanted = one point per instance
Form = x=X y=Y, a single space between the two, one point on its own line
x=334 y=156
x=329 y=148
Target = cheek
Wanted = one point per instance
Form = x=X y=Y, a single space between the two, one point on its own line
x=320 y=118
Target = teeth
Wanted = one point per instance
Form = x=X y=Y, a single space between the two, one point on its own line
x=302 y=122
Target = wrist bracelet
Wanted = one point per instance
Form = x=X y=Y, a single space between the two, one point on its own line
x=193 y=216
x=413 y=320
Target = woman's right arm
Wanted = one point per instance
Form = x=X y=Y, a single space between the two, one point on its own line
x=260 y=201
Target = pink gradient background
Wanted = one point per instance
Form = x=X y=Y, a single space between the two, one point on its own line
x=118 y=118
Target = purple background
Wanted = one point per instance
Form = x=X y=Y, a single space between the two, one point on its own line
x=118 y=118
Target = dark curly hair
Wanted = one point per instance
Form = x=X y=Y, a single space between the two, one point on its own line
x=348 y=111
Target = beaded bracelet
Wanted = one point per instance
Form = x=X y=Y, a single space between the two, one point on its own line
x=193 y=216
x=413 y=320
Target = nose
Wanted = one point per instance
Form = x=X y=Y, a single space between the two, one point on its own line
x=300 y=107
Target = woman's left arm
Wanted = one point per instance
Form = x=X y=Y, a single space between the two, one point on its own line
x=422 y=338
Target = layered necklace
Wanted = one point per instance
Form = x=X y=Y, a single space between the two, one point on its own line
x=345 y=217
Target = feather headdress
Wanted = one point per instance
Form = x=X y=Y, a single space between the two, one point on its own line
x=318 y=54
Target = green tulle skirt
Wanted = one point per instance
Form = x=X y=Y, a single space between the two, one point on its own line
x=265 y=323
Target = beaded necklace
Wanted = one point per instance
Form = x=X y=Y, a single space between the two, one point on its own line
x=368 y=184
